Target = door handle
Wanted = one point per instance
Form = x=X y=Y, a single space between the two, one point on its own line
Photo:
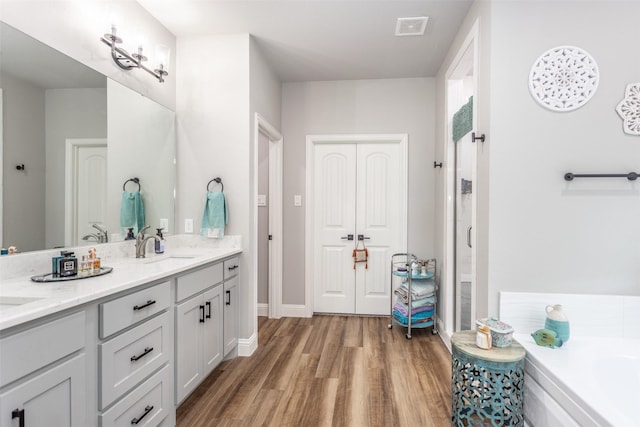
x=362 y=237
x=202 y=314
x=347 y=237
x=469 y=236
x=228 y=302
x=19 y=414
x=208 y=304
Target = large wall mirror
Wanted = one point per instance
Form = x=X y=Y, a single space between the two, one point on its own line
x=72 y=140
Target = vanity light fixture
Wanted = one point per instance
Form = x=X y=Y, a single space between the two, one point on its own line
x=127 y=61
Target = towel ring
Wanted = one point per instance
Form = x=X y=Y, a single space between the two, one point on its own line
x=219 y=181
x=136 y=180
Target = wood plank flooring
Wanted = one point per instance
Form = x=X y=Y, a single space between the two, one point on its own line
x=328 y=371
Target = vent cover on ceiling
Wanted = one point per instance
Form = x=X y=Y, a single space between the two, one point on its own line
x=411 y=26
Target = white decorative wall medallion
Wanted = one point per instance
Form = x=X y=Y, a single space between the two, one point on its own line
x=629 y=109
x=563 y=78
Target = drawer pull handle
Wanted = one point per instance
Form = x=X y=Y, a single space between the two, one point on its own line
x=202 y=314
x=228 y=302
x=233 y=267
x=140 y=307
x=147 y=409
x=19 y=414
x=144 y=353
x=208 y=304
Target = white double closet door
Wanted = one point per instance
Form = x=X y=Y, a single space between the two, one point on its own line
x=359 y=190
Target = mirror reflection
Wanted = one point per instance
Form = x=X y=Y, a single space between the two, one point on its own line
x=80 y=136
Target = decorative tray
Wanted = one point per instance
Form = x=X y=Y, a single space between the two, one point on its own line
x=49 y=277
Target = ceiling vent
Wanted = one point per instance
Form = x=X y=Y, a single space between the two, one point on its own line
x=411 y=26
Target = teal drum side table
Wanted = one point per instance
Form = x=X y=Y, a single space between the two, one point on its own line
x=486 y=385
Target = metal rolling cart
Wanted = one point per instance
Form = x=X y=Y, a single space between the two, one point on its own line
x=401 y=266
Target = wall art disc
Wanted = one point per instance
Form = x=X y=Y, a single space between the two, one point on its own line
x=629 y=109
x=563 y=78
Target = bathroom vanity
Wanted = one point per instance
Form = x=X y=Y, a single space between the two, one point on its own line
x=124 y=348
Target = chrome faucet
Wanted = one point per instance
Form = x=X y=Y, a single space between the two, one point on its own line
x=94 y=236
x=103 y=233
x=141 y=242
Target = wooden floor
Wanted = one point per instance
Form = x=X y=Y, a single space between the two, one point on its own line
x=328 y=371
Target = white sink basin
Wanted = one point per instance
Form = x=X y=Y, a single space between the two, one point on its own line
x=7 y=303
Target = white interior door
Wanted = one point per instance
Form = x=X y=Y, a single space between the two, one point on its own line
x=359 y=190
x=92 y=189
x=378 y=220
x=334 y=201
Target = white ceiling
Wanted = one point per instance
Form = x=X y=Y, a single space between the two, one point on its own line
x=311 y=40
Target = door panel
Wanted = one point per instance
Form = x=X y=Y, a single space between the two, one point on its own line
x=92 y=189
x=378 y=218
x=334 y=202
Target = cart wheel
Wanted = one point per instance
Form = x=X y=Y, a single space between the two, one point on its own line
x=389 y=326
x=407 y=336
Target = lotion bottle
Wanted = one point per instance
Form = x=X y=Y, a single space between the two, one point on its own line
x=159 y=243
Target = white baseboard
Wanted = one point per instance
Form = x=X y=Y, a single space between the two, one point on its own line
x=263 y=309
x=294 y=310
x=246 y=347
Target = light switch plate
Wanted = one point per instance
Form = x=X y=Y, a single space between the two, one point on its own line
x=261 y=200
x=297 y=200
x=188 y=225
x=164 y=224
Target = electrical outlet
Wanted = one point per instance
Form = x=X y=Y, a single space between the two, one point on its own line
x=164 y=224
x=297 y=200
x=188 y=225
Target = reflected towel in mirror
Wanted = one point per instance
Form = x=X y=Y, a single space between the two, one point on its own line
x=131 y=212
x=215 y=216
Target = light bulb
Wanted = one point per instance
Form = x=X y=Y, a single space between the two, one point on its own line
x=163 y=53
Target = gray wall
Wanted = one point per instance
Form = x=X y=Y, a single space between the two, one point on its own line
x=547 y=235
x=70 y=113
x=537 y=233
x=24 y=142
x=357 y=107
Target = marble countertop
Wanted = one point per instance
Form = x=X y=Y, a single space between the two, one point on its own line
x=22 y=300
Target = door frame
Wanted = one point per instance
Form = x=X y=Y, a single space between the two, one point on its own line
x=1 y=162
x=72 y=145
x=449 y=231
x=276 y=165
x=402 y=139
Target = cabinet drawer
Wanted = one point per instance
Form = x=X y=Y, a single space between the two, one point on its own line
x=34 y=348
x=133 y=308
x=130 y=357
x=148 y=404
x=231 y=267
x=198 y=281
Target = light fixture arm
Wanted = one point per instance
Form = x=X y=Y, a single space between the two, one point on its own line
x=127 y=61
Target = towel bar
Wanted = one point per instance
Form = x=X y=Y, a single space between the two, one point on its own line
x=631 y=176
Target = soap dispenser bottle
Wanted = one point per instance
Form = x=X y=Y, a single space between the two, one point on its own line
x=159 y=242
x=130 y=235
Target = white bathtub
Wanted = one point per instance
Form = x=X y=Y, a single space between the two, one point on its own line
x=587 y=382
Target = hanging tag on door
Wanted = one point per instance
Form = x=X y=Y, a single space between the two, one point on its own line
x=360 y=255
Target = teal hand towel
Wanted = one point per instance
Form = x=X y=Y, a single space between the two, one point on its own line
x=132 y=211
x=215 y=216
x=463 y=121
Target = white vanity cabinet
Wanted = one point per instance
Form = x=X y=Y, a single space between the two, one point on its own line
x=231 y=267
x=199 y=327
x=43 y=375
x=135 y=382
